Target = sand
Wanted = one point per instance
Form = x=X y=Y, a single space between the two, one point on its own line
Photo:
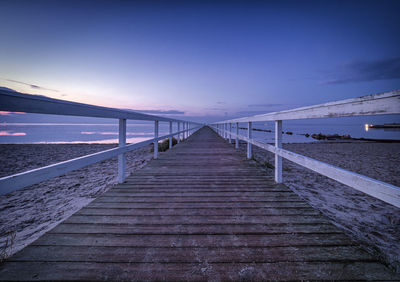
x=369 y=221
x=31 y=212
x=28 y=213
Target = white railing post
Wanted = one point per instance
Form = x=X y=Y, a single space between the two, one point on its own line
x=170 y=132
x=184 y=131
x=156 y=141
x=230 y=132
x=278 y=144
x=121 y=157
x=179 y=129
x=237 y=136
x=249 y=134
x=225 y=129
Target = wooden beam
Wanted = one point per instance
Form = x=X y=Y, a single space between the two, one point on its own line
x=377 y=104
x=19 y=102
x=121 y=157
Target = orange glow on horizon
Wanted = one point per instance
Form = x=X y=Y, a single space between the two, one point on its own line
x=6 y=133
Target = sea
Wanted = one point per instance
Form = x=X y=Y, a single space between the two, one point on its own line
x=106 y=131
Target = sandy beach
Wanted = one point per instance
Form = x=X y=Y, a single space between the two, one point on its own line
x=367 y=220
x=28 y=213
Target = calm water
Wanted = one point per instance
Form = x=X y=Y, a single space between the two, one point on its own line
x=136 y=132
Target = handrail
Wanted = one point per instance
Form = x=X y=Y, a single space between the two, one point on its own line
x=375 y=104
x=378 y=104
x=19 y=102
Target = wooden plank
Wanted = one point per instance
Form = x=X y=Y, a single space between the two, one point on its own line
x=198 y=211
x=192 y=255
x=200 y=271
x=258 y=195
x=223 y=204
x=195 y=229
x=194 y=219
x=190 y=189
x=187 y=240
x=224 y=220
x=209 y=199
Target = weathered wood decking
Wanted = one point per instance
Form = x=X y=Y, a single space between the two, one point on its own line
x=199 y=212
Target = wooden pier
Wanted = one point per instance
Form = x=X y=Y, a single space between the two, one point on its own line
x=201 y=211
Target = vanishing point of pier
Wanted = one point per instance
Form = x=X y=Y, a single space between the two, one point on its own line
x=201 y=211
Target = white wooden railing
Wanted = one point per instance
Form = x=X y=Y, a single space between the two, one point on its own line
x=18 y=102
x=378 y=104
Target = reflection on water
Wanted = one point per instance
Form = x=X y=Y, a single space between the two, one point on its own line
x=380 y=127
x=391 y=129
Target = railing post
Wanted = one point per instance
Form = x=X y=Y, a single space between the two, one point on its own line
x=237 y=136
x=249 y=134
x=230 y=132
x=225 y=129
x=170 y=132
x=121 y=157
x=156 y=141
x=278 y=144
x=179 y=129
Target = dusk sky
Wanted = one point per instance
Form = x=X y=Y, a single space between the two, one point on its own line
x=215 y=58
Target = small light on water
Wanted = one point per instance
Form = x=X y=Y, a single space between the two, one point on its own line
x=366 y=127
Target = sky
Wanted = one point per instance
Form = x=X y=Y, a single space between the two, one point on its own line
x=204 y=60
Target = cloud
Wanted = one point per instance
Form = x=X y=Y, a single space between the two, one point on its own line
x=113 y=133
x=220 y=103
x=358 y=71
x=7 y=133
x=264 y=105
x=33 y=86
x=6 y=113
x=216 y=109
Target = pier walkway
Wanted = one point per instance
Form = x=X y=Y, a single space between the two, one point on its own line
x=201 y=211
